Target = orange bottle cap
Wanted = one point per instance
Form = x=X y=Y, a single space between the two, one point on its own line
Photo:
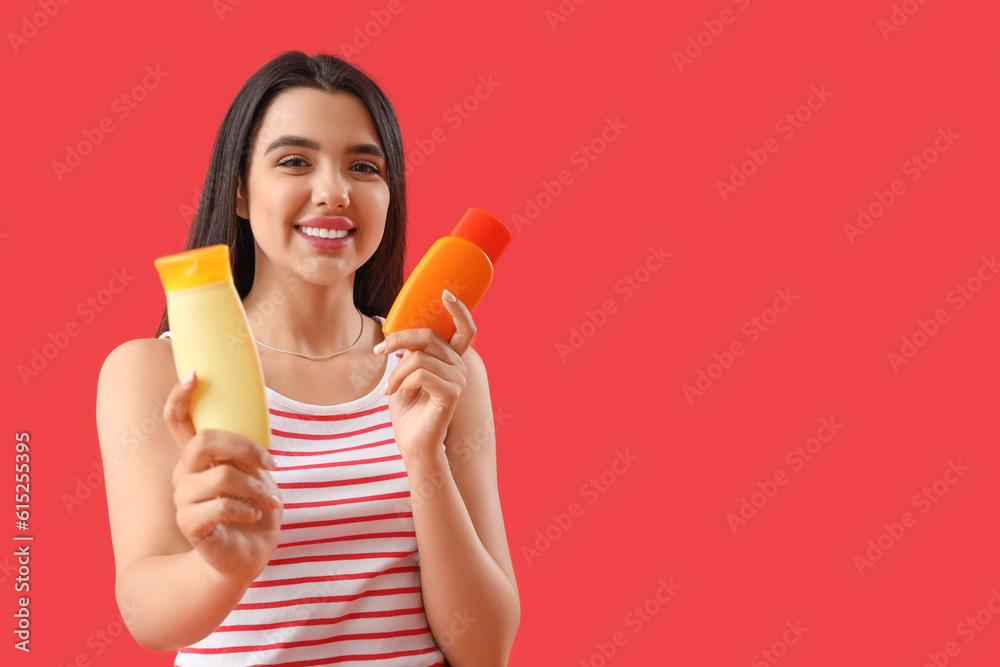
x=485 y=231
x=194 y=268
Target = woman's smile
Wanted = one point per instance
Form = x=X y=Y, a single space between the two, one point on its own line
x=327 y=233
x=323 y=239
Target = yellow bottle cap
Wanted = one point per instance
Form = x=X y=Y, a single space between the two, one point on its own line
x=194 y=268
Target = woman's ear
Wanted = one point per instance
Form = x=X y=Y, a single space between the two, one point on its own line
x=241 y=202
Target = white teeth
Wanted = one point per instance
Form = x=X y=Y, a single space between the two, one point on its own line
x=322 y=233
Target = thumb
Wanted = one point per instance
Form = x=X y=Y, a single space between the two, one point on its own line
x=177 y=410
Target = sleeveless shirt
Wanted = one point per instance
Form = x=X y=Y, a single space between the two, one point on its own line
x=343 y=585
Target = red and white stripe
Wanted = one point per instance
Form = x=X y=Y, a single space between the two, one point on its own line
x=343 y=585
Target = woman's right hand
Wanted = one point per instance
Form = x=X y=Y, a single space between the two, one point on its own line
x=230 y=511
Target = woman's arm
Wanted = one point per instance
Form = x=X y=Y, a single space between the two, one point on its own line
x=172 y=596
x=467 y=578
x=174 y=601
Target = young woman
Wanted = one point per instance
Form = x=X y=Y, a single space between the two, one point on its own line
x=371 y=532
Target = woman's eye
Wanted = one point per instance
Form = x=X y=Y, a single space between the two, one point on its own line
x=295 y=162
x=370 y=168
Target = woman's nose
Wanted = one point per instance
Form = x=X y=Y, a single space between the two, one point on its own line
x=332 y=190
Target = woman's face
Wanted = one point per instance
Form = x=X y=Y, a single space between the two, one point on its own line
x=316 y=161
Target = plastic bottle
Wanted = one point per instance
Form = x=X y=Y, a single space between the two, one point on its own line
x=462 y=263
x=211 y=335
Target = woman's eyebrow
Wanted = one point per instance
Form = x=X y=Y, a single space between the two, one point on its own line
x=291 y=140
x=367 y=149
x=303 y=142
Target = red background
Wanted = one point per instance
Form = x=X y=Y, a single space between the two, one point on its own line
x=656 y=184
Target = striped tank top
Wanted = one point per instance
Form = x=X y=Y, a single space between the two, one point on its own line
x=343 y=585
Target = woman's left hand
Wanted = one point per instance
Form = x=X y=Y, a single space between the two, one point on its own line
x=425 y=387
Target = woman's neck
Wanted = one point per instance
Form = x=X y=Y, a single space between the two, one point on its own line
x=304 y=317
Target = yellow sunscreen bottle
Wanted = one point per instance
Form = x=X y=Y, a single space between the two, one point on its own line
x=211 y=336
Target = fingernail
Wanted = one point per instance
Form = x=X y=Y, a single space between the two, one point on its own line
x=275 y=502
x=380 y=348
x=385 y=389
x=449 y=297
x=188 y=379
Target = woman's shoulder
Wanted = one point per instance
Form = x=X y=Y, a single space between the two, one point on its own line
x=151 y=349
x=133 y=386
x=148 y=360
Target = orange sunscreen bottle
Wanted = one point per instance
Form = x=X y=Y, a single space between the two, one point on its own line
x=211 y=335
x=462 y=263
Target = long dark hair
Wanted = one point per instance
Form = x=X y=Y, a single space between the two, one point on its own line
x=378 y=281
